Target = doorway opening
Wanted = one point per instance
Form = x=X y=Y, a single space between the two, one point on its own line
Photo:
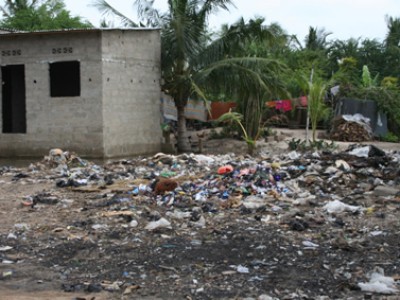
x=13 y=99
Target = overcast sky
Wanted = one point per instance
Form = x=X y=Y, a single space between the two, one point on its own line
x=344 y=18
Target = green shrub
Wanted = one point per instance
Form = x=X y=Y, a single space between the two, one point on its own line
x=301 y=145
x=390 y=137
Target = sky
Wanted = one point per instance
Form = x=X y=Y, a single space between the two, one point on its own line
x=343 y=18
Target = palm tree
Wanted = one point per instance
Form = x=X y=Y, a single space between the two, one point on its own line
x=392 y=43
x=317 y=107
x=250 y=39
x=316 y=39
x=192 y=64
x=372 y=54
x=393 y=35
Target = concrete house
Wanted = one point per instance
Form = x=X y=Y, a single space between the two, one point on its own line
x=95 y=92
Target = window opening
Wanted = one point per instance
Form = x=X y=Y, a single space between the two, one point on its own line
x=65 y=79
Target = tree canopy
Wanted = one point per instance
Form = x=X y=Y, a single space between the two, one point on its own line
x=31 y=15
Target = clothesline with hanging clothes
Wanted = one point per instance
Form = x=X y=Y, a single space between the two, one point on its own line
x=288 y=105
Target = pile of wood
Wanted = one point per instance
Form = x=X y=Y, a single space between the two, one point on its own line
x=350 y=131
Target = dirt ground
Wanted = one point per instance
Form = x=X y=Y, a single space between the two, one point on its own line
x=63 y=241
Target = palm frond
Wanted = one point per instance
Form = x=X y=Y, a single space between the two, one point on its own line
x=230 y=116
x=148 y=13
x=235 y=117
x=198 y=91
x=251 y=74
x=234 y=39
x=107 y=10
x=211 y=6
x=4 y=12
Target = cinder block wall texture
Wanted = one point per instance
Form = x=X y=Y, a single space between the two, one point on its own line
x=118 y=110
x=131 y=92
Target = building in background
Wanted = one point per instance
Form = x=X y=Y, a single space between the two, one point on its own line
x=95 y=92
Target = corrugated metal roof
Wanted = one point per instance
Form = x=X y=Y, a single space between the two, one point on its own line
x=7 y=32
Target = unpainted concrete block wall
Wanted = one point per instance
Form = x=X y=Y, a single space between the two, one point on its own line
x=132 y=97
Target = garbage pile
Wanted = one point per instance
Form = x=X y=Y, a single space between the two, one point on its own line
x=351 y=128
x=189 y=178
x=312 y=225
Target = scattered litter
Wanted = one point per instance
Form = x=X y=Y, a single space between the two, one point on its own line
x=343 y=165
x=254 y=202
x=379 y=283
x=338 y=207
x=360 y=152
x=293 y=155
x=99 y=226
x=161 y=223
x=225 y=169
x=11 y=236
x=171 y=222
x=6 y=274
x=242 y=269
x=5 y=248
x=133 y=223
x=309 y=245
x=7 y=262
x=176 y=214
